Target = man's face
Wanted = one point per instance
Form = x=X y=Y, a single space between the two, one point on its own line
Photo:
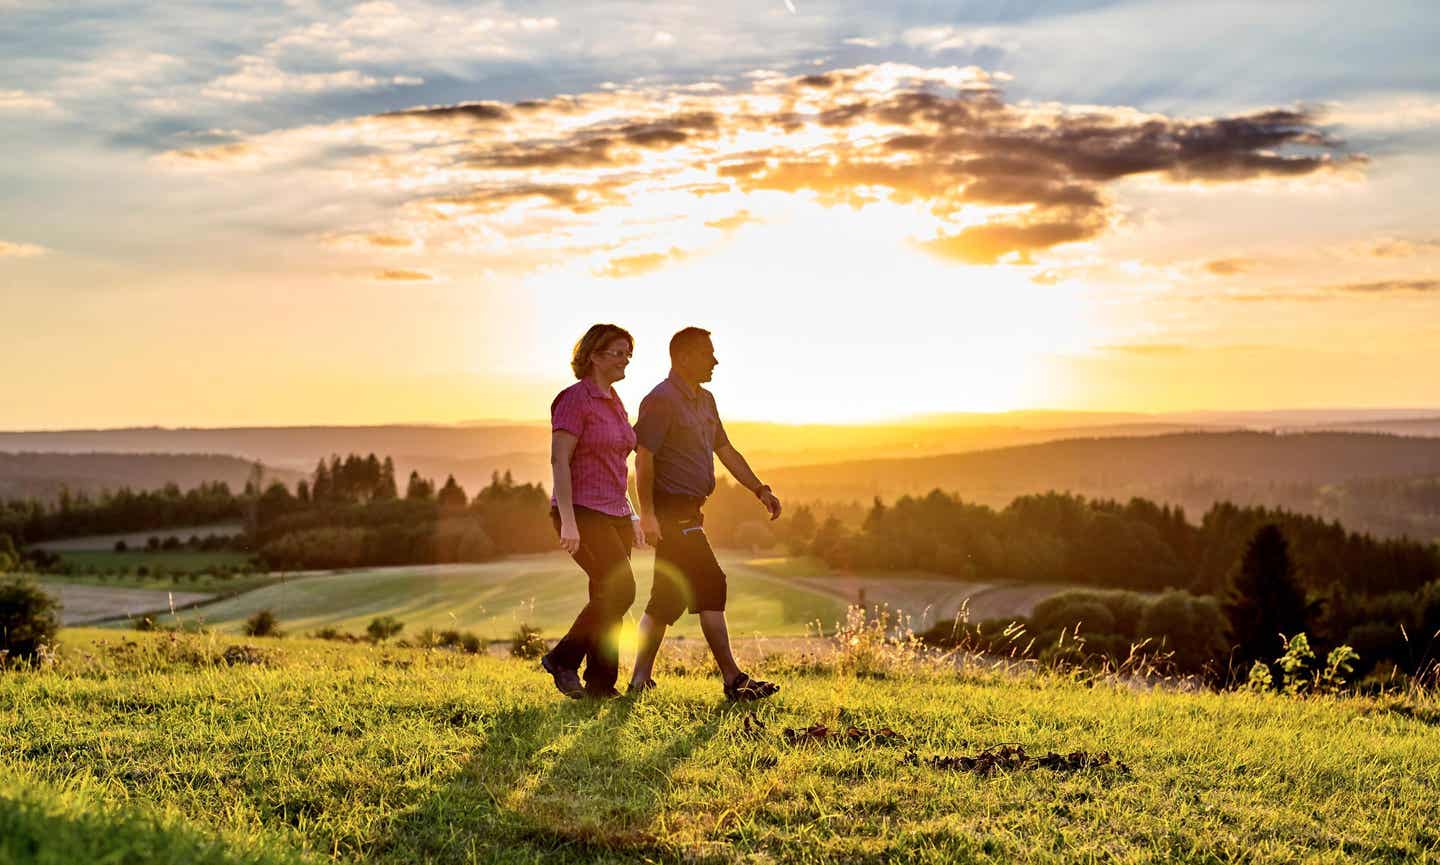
x=700 y=362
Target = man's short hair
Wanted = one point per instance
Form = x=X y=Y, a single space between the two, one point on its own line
x=687 y=339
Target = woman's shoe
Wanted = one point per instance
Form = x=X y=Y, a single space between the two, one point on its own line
x=638 y=688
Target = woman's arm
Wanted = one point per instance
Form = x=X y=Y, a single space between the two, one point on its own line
x=562 y=448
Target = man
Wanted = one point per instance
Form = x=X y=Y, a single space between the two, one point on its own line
x=676 y=433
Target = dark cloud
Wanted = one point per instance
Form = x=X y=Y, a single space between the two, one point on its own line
x=592 y=153
x=944 y=138
x=463 y=112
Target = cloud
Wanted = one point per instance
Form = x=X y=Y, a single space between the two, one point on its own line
x=20 y=250
x=986 y=181
x=1147 y=349
x=260 y=77
x=639 y=265
x=1229 y=266
x=1390 y=286
x=19 y=100
x=733 y=221
x=1392 y=247
x=403 y=276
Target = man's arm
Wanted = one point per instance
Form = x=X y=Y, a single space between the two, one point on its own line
x=645 y=487
x=735 y=463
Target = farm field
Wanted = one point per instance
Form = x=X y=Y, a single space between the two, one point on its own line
x=152 y=750
x=81 y=604
x=925 y=600
x=494 y=598
x=137 y=540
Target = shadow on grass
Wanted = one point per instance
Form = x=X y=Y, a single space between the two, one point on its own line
x=566 y=782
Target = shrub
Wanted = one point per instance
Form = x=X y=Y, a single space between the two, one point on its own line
x=262 y=624
x=28 y=619
x=1069 y=609
x=1192 y=629
x=383 y=628
x=122 y=547
x=527 y=643
x=471 y=644
x=426 y=639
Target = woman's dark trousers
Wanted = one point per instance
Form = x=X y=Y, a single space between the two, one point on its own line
x=604 y=554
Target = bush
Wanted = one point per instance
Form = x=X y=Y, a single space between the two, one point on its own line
x=28 y=619
x=527 y=643
x=122 y=547
x=262 y=624
x=1069 y=609
x=1192 y=628
x=471 y=644
x=383 y=628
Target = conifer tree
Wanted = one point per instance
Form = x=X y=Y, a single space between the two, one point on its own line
x=452 y=496
x=1263 y=600
x=385 y=489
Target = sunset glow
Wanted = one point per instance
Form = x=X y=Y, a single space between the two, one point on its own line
x=383 y=212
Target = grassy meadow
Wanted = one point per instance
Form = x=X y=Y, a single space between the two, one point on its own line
x=163 y=570
x=494 y=598
x=150 y=748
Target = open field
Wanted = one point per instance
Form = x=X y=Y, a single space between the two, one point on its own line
x=492 y=599
x=137 y=540
x=924 y=599
x=153 y=752
x=84 y=604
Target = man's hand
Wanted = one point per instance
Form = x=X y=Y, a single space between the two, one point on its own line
x=639 y=534
x=650 y=528
x=771 y=503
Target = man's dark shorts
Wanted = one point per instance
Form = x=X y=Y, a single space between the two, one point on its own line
x=686 y=573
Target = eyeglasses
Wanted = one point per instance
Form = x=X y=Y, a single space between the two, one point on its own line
x=615 y=353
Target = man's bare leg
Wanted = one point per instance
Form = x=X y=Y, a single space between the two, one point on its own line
x=717 y=634
x=650 y=634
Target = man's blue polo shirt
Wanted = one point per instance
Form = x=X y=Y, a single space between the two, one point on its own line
x=683 y=430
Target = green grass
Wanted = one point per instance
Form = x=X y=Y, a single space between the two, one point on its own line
x=492 y=599
x=122 y=568
x=355 y=754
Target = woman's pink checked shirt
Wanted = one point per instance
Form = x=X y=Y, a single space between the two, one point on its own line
x=598 y=474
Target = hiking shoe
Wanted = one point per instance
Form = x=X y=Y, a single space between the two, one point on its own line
x=638 y=688
x=567 y=682
x=743 y=689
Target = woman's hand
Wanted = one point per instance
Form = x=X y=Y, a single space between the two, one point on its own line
x=639 y=534
x=569 y=536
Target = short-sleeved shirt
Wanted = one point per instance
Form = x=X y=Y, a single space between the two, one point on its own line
x=683 y=430
x=604 y=438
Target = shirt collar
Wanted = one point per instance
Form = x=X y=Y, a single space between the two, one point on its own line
x=594 y=389
x=685 y=389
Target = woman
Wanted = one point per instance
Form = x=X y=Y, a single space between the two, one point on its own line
x=590 y=439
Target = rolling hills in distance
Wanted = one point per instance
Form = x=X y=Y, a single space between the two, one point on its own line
x=1191 y=459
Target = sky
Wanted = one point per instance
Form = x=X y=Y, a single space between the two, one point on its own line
x=300 y=212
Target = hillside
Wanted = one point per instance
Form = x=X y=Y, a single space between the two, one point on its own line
x=1123 y=467
x=159 y=751
x=43 y=475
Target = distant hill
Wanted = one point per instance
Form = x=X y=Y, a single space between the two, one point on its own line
x=43 y=475
x=472 y=453
x=1421 y=426
x=1164 y=467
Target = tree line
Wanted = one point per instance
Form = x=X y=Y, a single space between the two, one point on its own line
x=350 y=513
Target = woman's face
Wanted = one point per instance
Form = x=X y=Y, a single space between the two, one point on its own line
x=609 y=361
